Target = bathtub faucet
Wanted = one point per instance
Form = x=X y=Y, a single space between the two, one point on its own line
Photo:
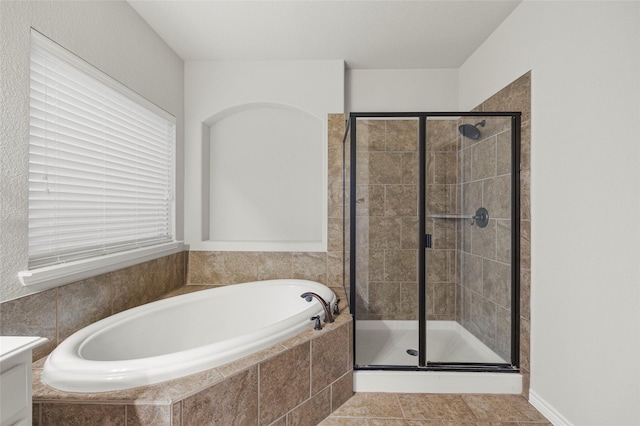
x=327 y=308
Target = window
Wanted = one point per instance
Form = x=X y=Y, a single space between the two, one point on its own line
x=101 y=164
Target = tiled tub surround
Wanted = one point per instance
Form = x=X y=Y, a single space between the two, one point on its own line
x=299 y=381
x=185 y=334
x=59 y=312
x=260 y=389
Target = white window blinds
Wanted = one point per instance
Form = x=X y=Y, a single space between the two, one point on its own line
x=101 y=163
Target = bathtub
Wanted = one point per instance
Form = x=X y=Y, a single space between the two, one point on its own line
x=182 y=335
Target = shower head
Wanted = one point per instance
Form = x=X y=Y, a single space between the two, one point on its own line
x=471 y=131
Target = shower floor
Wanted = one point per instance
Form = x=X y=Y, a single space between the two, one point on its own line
x=386 y=343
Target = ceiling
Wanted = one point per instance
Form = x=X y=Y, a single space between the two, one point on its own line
x=376 y=34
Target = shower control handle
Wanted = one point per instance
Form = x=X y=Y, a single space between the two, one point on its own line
x=481 y=218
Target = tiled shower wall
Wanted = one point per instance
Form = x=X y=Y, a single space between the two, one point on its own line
x=465 y=281
x=59 y=312
x=224 y=268
x=486 y=300
x=386 y=218
x=484 y=292
x=517 y=97
x=443 y=195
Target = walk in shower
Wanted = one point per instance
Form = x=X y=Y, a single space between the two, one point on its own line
x=433 y=225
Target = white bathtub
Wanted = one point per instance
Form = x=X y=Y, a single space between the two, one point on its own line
x=182 y=335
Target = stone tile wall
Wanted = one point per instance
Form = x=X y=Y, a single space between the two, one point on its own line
x=59 y=312
x=443 y=195
x=387 y=218
x=485 y=253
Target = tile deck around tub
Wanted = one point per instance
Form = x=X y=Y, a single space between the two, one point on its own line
x=254 y=390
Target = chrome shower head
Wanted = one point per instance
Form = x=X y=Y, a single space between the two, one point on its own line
x=471 y=131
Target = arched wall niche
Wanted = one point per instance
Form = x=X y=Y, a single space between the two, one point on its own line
x=264 y=179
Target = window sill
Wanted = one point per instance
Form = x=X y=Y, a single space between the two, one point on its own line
x=66 y=273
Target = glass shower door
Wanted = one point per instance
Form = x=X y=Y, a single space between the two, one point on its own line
x=386 y=227
x=470 y=190
x=434 y=240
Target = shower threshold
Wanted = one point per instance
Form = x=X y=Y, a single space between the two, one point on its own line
x=389 y=343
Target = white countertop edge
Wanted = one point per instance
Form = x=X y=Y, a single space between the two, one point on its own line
x=14 y=345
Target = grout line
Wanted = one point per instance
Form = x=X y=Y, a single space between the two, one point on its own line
x=404 y=416
x=258 y=398
x=310 y=368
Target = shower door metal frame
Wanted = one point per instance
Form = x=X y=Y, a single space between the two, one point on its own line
x=422 y=117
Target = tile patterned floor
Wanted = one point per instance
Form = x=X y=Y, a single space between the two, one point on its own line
x=406 y=409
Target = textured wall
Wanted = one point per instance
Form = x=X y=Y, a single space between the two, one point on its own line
x=111 y=36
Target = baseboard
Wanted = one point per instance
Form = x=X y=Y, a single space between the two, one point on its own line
x=548 y=410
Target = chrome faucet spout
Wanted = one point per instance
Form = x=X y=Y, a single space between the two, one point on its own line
x=328 y=317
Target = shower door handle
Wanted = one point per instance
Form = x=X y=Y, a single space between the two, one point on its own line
x=427 y=240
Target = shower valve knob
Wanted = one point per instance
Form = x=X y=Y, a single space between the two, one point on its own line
x=481 y=218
